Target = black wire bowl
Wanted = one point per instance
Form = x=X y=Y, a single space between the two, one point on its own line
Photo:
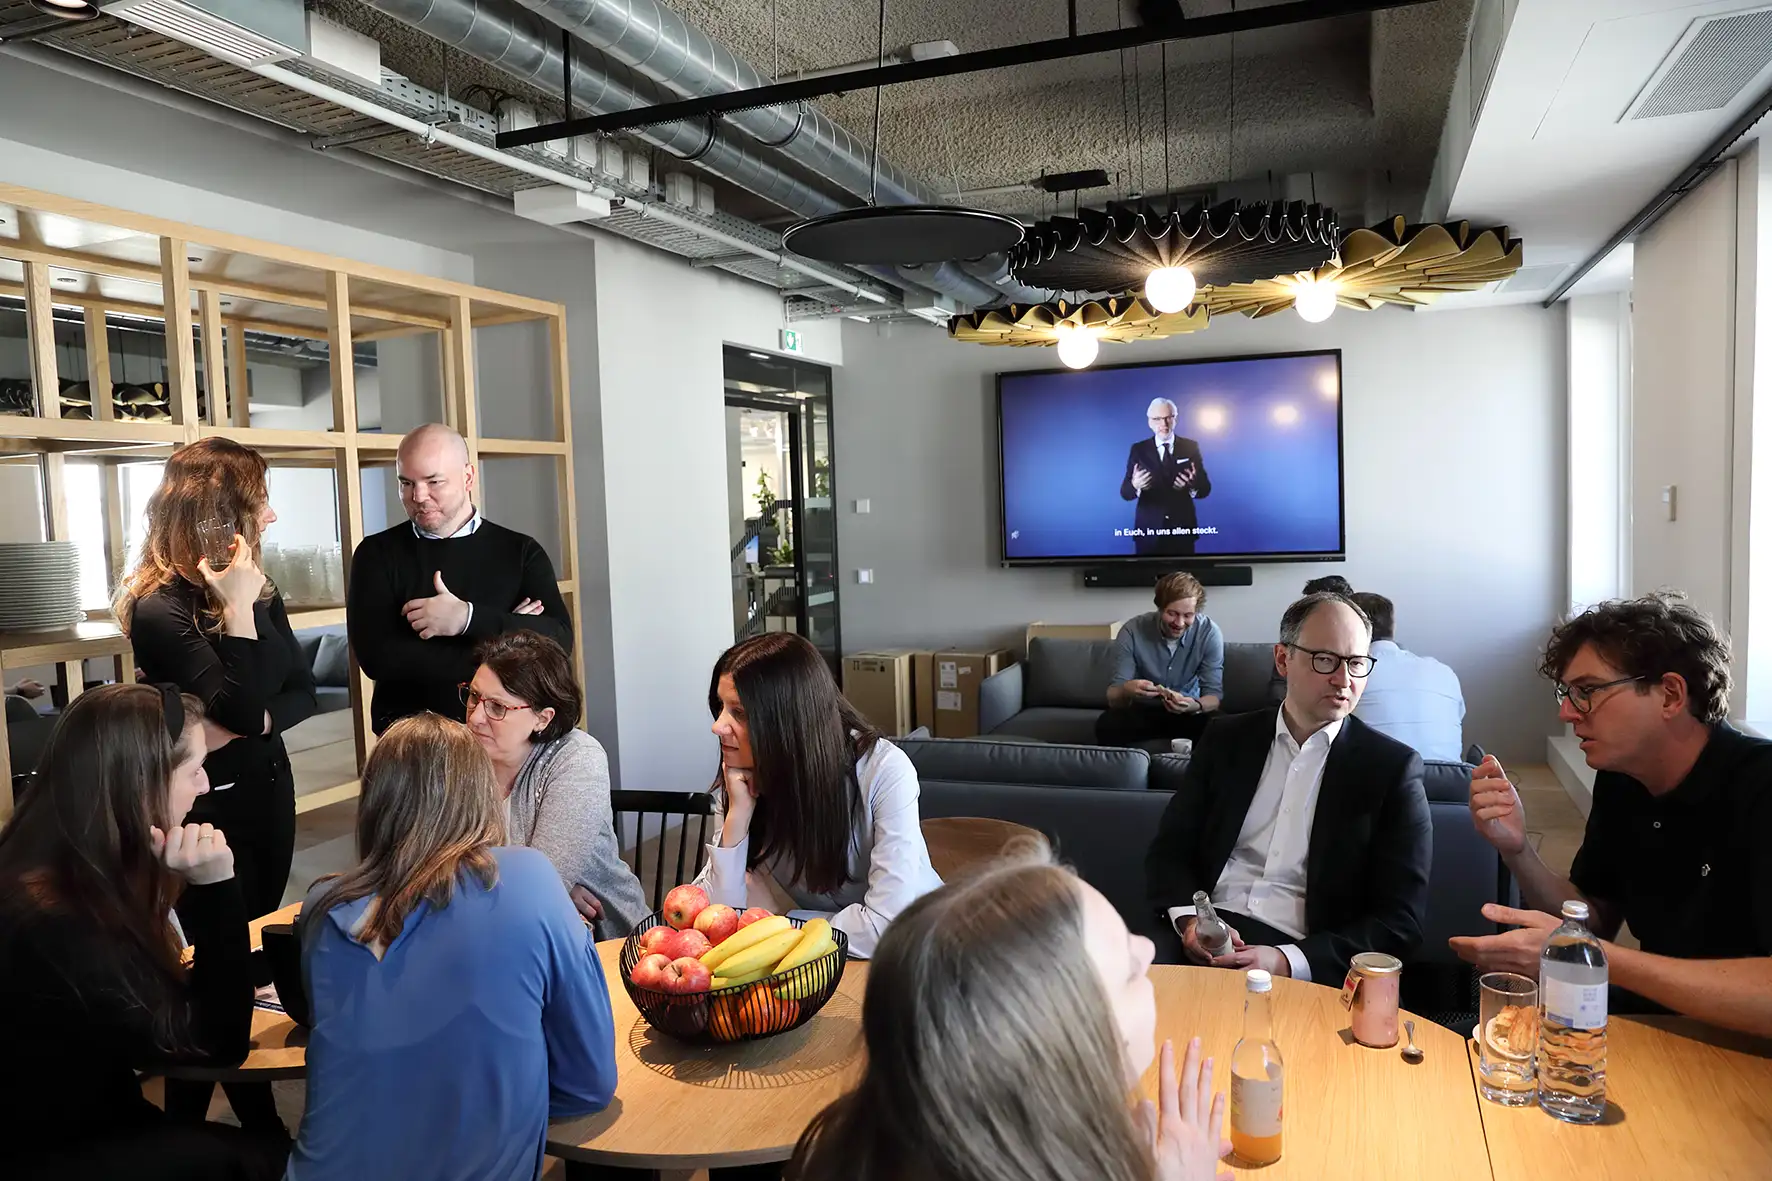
x=742 y=1013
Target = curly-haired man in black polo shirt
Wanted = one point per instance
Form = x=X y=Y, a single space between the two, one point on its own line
x=1679 y=841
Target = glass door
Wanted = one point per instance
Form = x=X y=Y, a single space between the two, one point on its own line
x=782 y=492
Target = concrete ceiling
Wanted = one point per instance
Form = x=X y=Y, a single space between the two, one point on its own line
x=1552 y=153
x=1354 y=95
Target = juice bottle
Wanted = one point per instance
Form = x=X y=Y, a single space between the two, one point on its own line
x=1257 y=1079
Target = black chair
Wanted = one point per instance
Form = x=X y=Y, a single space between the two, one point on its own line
x=686 y=807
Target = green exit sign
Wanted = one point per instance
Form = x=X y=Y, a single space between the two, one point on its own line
x=790 y=341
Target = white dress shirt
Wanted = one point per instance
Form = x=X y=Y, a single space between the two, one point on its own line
x=1163 y=449
x=472 y=523
x=1264 y=877
x=888 y=862
x=1416 y=700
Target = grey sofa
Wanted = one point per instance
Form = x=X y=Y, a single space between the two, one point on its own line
x=1056 y=694
x=1100 y=807
x=329 y=655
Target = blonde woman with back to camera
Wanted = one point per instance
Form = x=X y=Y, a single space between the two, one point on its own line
x=1009 y=1017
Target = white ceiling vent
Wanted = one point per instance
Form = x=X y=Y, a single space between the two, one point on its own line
x=1713 y=61
x=245 y=32
x=1538 y=278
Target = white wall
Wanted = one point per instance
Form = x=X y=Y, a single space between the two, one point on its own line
x=1455 y=494
x=1683 y=328
x=1599 y=447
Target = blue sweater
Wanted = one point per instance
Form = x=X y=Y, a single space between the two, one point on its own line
x=446 y=1058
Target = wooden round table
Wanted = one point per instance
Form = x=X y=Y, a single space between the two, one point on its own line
x=960 y=843
x=682 y=1106
x=1683 y=1099
x=1349 y=1111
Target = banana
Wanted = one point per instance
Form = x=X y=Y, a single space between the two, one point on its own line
x=749 y=937
x=759 y=955
x=734 y=982
x=811 y=935
x=798 y=990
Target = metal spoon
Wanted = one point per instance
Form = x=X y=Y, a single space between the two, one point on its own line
x=1410 y=1053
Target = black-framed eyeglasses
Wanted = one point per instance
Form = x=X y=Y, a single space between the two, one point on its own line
x=1327 y=662
x=496 y=710
x=1582 y=696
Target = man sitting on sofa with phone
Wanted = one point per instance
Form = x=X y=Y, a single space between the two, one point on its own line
x=1168 y=670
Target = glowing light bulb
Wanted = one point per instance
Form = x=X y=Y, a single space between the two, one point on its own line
x=1170 y=289
x=1315 y=302
x=1077 y=347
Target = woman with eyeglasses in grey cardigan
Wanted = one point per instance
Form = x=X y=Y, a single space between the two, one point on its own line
x=523 y=706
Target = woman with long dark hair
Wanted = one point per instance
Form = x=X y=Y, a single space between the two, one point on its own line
x=1039 y=1084
x=223 y=636
x=91 y=987
x=812 y=802
x=458 y=1001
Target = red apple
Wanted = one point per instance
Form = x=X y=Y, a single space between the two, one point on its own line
x=687 y=975
x=683 y=904
x=752 y=915
x=717 y=922
x=649 y=942
x=676 y=945
x=650 y=973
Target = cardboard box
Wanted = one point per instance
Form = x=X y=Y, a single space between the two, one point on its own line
x=879 y=685
x=923 y=688
x=957 y=678
x=1075 y=631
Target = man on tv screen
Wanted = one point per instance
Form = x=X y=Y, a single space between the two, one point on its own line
x=1165 y=475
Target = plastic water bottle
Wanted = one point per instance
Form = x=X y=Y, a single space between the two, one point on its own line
x=1258 y=1079
x=1214 y=932
x=1572 y=1026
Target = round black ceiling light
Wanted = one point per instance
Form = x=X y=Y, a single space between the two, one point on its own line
x=903 y=235
x=72 y=10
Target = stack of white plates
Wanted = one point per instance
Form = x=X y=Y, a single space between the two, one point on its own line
x=39 y=585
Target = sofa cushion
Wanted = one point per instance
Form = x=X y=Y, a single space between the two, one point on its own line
x=332 y=661
x=1167 y=771
x=1446 y=783
x=1100 y=834
x=1250 y=679
x=972 y=760
x=1051 y=723
x=1071 y=673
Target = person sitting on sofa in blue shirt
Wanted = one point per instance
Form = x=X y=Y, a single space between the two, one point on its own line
x=458 y=1001
x=1414 y=699
x=1168 y=669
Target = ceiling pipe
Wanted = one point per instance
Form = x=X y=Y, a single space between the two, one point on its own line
x=526 y=47
x=141 y=88
x=658 y=212
x=659 y=43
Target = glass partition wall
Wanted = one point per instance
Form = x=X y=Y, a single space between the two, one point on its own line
x=782 y=490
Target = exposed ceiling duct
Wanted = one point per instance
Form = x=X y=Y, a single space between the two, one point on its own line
x=659 y=43
x=521 y=44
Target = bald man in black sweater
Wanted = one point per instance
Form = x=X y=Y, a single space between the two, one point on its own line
x=425 y=593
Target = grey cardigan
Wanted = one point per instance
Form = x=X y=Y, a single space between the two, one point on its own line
x=559 y=805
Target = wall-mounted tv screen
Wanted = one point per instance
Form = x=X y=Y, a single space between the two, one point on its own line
x=1235 y=459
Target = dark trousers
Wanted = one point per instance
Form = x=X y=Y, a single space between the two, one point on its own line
x=161 y=1152
x=1135 y=725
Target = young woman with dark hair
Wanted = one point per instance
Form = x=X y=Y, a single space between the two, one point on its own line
x=523 y=706
x=223 y=636
x=91 y=987
x=1041 y=1083
x=458 y=1001
x=812 y=802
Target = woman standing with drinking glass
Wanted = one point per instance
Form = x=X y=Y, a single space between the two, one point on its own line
x=208 y=620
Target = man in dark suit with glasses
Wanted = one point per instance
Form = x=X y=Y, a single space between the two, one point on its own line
x=1165 y=475
x=1308 y=829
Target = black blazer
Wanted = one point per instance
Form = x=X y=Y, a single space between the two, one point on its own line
x=1162 y=505
x=1371 y=843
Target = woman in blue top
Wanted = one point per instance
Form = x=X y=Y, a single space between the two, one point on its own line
x=458 y=1001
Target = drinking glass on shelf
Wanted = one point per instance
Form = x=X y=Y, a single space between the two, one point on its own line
x=1507 y=1034
x=217 y=539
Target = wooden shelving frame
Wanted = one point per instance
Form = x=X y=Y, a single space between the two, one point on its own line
x=57 y=251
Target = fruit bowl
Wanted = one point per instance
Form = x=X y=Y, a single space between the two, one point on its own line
x=745 y=1012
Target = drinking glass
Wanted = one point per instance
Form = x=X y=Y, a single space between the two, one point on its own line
x=217 y=539
x=1507 y=1034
